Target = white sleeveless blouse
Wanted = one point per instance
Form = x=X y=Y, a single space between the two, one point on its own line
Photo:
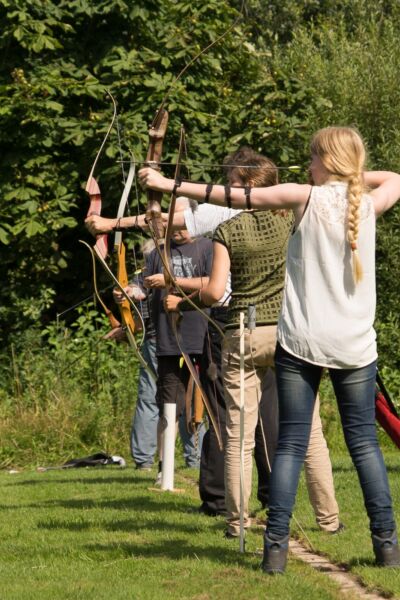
x=325 y=318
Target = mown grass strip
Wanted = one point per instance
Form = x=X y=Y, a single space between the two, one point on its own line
x=101 y=534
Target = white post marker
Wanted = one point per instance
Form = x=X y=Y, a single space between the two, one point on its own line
x=241 y=515
x=168 y=447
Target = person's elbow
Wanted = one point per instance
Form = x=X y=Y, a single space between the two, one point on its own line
x=212 y=294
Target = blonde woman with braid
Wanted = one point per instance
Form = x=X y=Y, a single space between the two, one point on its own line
x=326 y=321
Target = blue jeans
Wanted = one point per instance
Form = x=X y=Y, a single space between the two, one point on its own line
x=298 y=383
x=144 y=423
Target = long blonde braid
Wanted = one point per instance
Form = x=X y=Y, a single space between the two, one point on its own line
x=342 y=153
x=354 y=194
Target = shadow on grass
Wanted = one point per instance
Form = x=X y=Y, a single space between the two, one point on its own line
x=97 y=480
x=134 y=525
x=137 y=525
x=177 y=549
x=139 y=503
x=66 y=526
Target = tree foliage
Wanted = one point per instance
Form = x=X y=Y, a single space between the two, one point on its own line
x=58 y=60
x=356 y=75
x=286 y=69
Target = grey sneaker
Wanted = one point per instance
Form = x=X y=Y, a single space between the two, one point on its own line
x=386 y=549
x=275 y=555
x=158 y=479
x=144 y=467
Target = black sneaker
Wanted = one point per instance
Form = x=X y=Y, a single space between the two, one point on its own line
x=275 y=555
x=386 y=549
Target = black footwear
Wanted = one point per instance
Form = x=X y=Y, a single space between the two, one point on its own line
x=210 y=512
x=275 y=555
x=340 y=528
x=386 y=549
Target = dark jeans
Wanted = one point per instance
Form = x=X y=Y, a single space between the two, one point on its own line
x=298 y=383
x=211 y=481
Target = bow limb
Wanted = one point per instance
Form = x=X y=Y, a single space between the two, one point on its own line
x=95 y=203
x=153 y=159
x=121 y=280
x=128 y=330
x=157 y=133
x=95 y=253
x=92 y=187
x=112 y=320
x=120 y=253
x=200 y=53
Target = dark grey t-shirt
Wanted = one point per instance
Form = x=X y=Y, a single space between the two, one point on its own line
x=188 y=260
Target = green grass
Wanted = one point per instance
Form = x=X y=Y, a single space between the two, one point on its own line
x=102 y=534
x=353 y=546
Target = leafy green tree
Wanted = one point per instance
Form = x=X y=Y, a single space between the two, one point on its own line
x=356 y=74
x=58 y=60
x=286 y=69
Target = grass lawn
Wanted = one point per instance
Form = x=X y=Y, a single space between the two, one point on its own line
x=102 y=534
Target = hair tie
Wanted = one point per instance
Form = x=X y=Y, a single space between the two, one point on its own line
x=353 y=246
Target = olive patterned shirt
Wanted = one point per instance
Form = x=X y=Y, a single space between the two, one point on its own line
x=256 y=242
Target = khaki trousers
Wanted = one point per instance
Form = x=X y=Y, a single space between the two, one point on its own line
x=260 y=386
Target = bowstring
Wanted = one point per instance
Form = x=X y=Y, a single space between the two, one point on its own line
x=198 y=55
x=208 y=339
x=141 y=244
x=117 y=124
